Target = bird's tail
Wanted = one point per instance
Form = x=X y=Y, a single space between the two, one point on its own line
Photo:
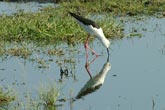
x=71 y=13
x=75 y=15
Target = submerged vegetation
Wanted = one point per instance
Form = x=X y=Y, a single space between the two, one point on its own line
x=6 y=97
x=53 y=25
x=22 y=33
x=49 y=96
x=47 y=99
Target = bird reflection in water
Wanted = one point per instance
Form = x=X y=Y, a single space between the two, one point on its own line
x=87 y=65
x=95 y=82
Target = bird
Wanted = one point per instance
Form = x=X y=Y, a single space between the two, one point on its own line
x=92 y=29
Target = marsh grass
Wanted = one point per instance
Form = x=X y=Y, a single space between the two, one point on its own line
x=6 y=97
x=48 y=96
x=53 y=25
x=47 y=27
x=118 y=7
x=46 y=99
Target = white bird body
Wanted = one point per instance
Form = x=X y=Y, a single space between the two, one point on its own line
x=97 y=32
x=100 y=35
x=92 y=29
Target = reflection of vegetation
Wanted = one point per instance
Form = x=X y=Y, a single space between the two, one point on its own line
x=6 y=96
x=43 y=56
x=67 y=68
x=15 y=49
x=68 y=63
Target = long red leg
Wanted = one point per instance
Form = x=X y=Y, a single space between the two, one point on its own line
x=93 y=51
x=86 y=50
x=87 y=47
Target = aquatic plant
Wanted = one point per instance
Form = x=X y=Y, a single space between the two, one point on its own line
x=48 y=96
x=6 y=97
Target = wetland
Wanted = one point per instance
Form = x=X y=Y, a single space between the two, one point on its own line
x=42 y=56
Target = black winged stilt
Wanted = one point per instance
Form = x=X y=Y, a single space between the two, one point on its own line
x=92 y=29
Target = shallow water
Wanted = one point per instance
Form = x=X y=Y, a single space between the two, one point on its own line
x=135 y=80
x=14 y=7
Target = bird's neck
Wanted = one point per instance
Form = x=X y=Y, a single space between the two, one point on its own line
x=104 y=40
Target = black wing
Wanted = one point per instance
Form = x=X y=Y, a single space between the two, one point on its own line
x=85 y=21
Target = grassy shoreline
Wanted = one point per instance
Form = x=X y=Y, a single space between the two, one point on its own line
x=53 y=25
x=48 y=26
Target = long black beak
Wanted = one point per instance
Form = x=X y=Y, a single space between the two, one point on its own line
x=108 y=54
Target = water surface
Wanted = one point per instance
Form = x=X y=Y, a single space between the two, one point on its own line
x=135 y=80
x=14 y=7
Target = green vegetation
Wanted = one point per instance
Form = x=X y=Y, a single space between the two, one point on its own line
x=23 y=34
x=119 y=7
x=54 y=24
x=6 y=97
x=49 y=96
x=49 y=26
x=46 y=100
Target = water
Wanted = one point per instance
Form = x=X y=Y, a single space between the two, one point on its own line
x=14 y=7
x=133 y=81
